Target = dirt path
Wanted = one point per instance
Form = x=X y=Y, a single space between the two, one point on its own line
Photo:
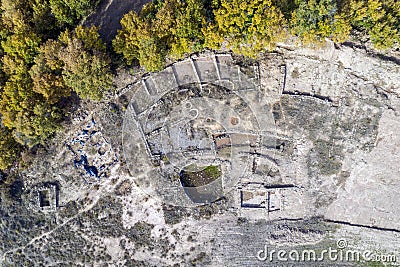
x=107 y=188
x=109 y=14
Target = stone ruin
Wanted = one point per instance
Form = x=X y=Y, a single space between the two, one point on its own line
x=43 y=197
x=202 y=113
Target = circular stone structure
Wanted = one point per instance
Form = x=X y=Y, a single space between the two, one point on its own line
x=191 y=131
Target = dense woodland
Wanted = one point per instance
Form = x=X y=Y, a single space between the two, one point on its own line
x=174 y=28
x=47 y=55
x=45 y=58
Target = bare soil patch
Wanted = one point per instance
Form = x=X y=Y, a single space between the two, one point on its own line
x=108 y=16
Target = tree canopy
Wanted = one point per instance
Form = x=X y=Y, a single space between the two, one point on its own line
x=315 y=20
x=247 y=27
x=38 y=69
x=86 y=67
x=9 y=148
x=71 y=11
x=379 y=19
x=175 y=28
x=138 y=41
x=170 y=28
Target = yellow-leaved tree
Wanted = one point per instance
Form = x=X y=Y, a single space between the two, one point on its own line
x=380 y=19
x=170 y=28
x=247 y=27
x=137 y=40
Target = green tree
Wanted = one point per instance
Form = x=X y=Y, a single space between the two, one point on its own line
x=16 y=15
x=86 y=67
x=286 y=7
x=26 y=113
x=246 y=27
x=3 y=36
x=392 y=8
x=71 y=11
x=170 y=28
x=37 y=125
x=47 y=73
x=138 y=41
x=179 y=24
x=21 y=47
x=379 y=19
x=9 y=148
x=315 y=20
x=45 y=24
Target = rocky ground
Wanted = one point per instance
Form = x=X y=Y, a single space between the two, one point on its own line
x=337 y=110
x=109 y=14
